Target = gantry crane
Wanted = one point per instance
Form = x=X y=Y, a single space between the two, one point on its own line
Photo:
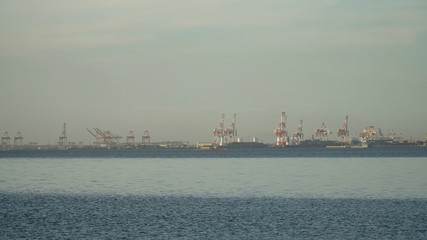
x=5 y=139
x=281 y=134
x=130 y=138
x=231 y=133
x=322 y=133
x=105 y=137
x=299 y=134
x=146 y=137
x=18 y=140
x=219 y=133
x=343 y=133
x=63 y=137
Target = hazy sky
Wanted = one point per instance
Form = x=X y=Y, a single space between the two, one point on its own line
x=173 y=67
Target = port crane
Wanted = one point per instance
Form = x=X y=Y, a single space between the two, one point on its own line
x=96 y=136
x=5 y=139
x=219 y=133
x=322 y=133
x=281 y=134
x=63 y=137
x=130 y=138
x=146 y=137
x=231 y=133
x=299 y=134
x=371 y=134
x=109 y=138
x=343 y=133
x=105 y=137
x=18 y=140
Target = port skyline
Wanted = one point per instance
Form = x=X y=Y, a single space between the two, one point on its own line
x=265 y=137
x=174 y=68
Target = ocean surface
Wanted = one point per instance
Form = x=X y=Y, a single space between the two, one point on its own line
x=378 y=193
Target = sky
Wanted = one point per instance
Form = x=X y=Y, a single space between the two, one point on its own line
x=173 y=67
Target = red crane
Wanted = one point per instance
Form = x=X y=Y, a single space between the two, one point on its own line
x=281 y=134
x=299 y=134
x=231 y=133
x=343 y=133
x=322 y=133
x=219 y=133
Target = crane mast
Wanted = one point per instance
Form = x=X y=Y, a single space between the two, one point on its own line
x=281 y=134
x=130 y=138
x=343 y=133
x=105 y=137
x=231 y=133
x=298 y=136
x=322 y=133
x=219 y=133
x=18 y=139
x=63 y=137
x=146 y=137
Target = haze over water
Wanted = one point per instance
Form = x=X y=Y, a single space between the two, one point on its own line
x=234 y=194
x=174 y=67
x=282 y=177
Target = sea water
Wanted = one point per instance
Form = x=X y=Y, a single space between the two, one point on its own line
x=234 y=194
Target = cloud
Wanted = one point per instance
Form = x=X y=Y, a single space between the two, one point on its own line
x=309 y=39
x=99 y=60
x=56 y=27
x=20 y=44
x=30 y=28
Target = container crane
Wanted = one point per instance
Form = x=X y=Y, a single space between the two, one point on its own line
x=322 y=133
x=343 y=133
x=63 y=137
x=105 y=137
x=299 y=134
x=101 y=135
x=281 y=134
x=231 y=133
x=219 y=133
x=130 y=138
x=5 y=139
x=96 y=136
x=370 y=134
x=18 y=139
x=146 y=137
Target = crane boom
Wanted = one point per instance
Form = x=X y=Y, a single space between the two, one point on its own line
x=91 y=133
x=99 y=132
